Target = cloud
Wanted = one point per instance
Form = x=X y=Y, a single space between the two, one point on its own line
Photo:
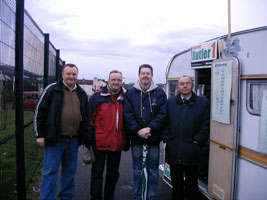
x=97 y=56
x=100 y=36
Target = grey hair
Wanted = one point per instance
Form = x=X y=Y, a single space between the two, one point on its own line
x=192 y=79
x=114 y=71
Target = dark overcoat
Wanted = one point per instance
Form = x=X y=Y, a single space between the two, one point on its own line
x=187 y=130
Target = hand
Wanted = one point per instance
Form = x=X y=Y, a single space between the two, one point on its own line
x=147 y=135
x=41 y=141
x=147 y=132
x=141 y=133
x=144 y=133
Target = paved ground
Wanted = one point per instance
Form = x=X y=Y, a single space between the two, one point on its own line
x=124 y=189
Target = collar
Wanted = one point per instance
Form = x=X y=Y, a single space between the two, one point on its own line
x=75 y=86
x=191 y=99
x=138 y=87
x=114 y=92
x=182 y=97
x=105 y=92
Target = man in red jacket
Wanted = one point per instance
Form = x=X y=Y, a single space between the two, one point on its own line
x=106 y=115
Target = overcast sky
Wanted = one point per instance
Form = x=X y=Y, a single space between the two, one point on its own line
x=101 y=35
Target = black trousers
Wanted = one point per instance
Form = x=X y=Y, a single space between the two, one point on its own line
x=190 y=172
x=112 y=160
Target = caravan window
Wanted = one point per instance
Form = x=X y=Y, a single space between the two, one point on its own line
x=254 y=95
x=172 y=88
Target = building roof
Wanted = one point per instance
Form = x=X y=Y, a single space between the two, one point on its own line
x=84 y=82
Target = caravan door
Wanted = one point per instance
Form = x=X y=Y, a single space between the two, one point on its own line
x=223 y=127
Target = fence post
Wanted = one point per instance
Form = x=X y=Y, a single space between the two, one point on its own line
x=46 y=59
x=21 y=186
x=58 y=68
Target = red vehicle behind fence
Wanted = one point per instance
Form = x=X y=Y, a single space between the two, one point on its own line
x=30 y=100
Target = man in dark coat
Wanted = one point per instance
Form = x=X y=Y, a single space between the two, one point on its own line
x=60 y=120
x=145 y=112
x=185 y=135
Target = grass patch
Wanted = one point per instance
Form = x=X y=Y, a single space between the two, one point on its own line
x=8 y=170
x=7 y=122
x=34 y=187
x=33 y=157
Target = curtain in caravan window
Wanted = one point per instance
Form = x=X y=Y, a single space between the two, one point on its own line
x=256 y=96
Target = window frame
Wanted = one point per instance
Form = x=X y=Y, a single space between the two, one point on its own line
x=248 y=96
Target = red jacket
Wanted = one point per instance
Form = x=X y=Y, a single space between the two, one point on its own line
x=106 y=114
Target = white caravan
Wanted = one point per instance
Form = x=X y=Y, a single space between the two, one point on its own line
x=232 y=74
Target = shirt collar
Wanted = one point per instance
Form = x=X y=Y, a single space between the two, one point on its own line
x=75 y=86
x=187 y=97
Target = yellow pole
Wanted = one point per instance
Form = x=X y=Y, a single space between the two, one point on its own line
x=229 y=19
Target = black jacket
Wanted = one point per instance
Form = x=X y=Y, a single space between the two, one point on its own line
x=187 y=123
x=47 y=117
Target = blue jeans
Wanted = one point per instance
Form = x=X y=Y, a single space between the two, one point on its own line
x=152 y=169
x=66 y=153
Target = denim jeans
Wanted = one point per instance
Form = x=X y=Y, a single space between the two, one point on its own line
x=66 y=153
x=112 y=158
x=152 y=169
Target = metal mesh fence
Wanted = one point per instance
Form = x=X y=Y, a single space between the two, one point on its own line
x=33 y=57
x=33 y=80
x=7 y=98
x=52 y=64
x=33 y=153
x=7 y=71
x=8 y=170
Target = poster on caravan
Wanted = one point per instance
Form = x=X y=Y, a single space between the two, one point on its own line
x=221 y=86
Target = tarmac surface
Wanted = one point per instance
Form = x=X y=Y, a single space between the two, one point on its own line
x=124 y=189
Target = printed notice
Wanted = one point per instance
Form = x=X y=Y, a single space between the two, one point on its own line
x=221 y=92
x=263 y=123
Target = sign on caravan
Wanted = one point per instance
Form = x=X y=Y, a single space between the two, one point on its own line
x=204 y=52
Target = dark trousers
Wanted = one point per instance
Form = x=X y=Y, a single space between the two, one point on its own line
x=112 y=174
x=190 y=172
